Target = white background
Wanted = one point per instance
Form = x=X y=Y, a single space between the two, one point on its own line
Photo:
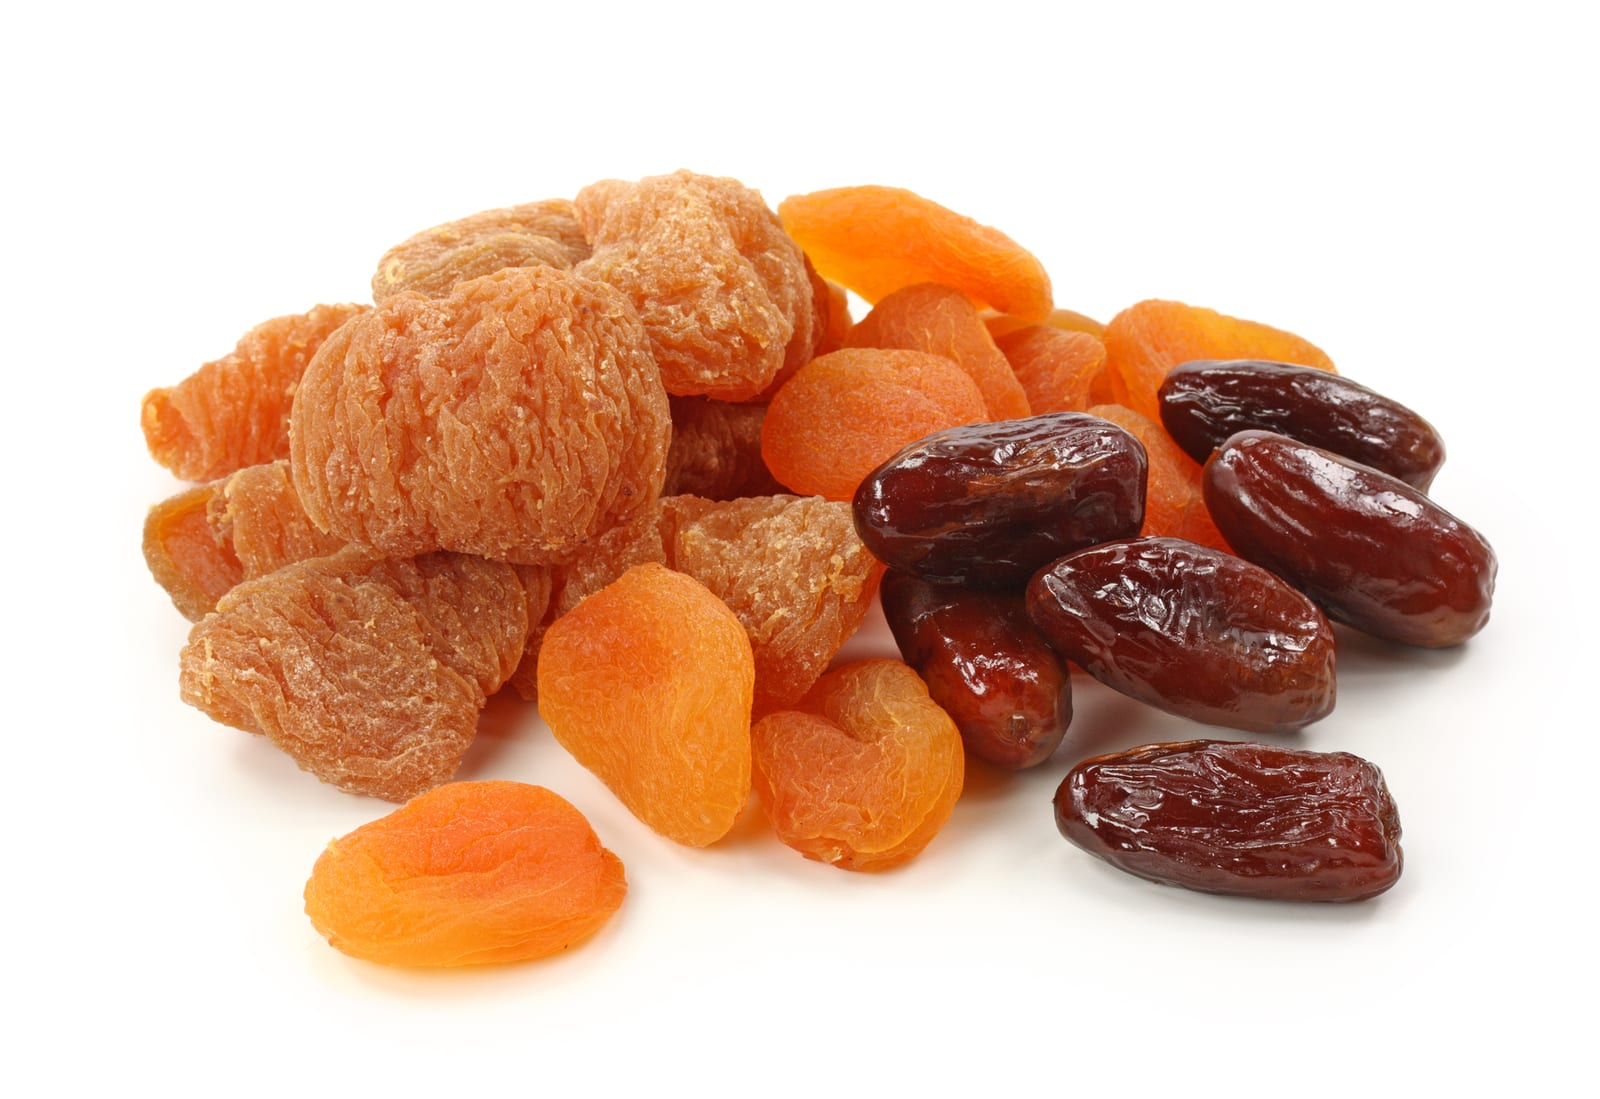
x=1410 y=188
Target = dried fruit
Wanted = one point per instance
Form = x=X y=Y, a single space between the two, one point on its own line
x=1368 y=548
x=370 y=672
x=989 y=504
x=1059 y=371
x=647 y=683
x=1247 y=820
x=1174 y=506
x=833 y=321
x=716 y=450
x=472 y=873
x=876 y=240
x=940 y=321
x=1203 y=403
x=1065 y=320
x=1191 y=630
x=516 y=418
x=985 y=664
x=722 y=291
x=844 y=413
x=203 y=541
x=865 y=770
x=435 y=260
x=1145 y=341
x=234 y=412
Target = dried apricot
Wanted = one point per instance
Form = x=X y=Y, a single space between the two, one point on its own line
x=1060 y=371
x=1145 y=341
x=716 y=450
x=185 y=555
x=472 y=873
x=516 y=418
x=842 y=414
x=234 y=412
x=1174 y=503
x=1065 y=320
x=864 y=771
x=433 y=261
x=722 y=291
x=370 y=672
x=936 y=319
x=647 y=683
x=876 y=240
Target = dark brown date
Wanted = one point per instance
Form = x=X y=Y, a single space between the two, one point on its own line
x=988 y=504
x=1191 y=630
x=1371 y=550
x=1249 y=820
x=985 y=664
x=1203 y=403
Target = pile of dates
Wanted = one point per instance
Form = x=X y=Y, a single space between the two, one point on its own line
x=1013 y=549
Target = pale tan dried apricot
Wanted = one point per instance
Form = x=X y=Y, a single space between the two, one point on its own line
x=435 y=260
x=716 y=450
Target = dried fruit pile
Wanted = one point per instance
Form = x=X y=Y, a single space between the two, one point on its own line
x=558 y=453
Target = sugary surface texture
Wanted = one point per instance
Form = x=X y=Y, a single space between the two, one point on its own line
x=722 y=291
x=864 y=771
x=234 y=412
x=1174 y=503
x=471 y=873
x=435 y=260
x=647 y=683
x=370 y=672
x=516 y=418
x=716 y=450
x=876 y=240
x=1146 y=340
x=936 y=319
x=1059 y=370
x=842 y=414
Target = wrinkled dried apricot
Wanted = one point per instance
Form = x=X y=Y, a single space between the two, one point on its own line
x=864 y=771
x=516 y=418
x=876 y=240
x=647 y=683
x=722 y=291
x=716 y=450
x=234 y=412
x=938 y=320
x=1066 y=320
x=435 y=260
x=370 y=672
x=1145 y=341
x=1174 y=503
x=844 y=413
x=472 y=873
x=1060 y=371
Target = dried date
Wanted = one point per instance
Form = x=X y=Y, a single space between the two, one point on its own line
x=986 y=664
x=988 y=504
x=1203 y=403
x=1241 y=819
x=1191 y=630
x=1369 y=549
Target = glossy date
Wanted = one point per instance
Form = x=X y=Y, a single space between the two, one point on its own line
x=986 y=664
x=988 y=504
x=1242 y=819
x=1203 y=403
x=1369 y=549
x=1194 y=631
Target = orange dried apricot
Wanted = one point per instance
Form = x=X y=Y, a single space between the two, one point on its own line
x=936 y=319
x=1067 y=320
x=234 y=412
x=1174 y=505
x=471 y=873
x=186 y=556
x=370 y=672
x=516 y=418
x=833 y=315
x=864 y=771
x=716 y=450
x=433 y=261
x=722 y=291
x=1060 y=371
x=876 y=240
x=647 y=683
x=1146 y=340
x=844 y=413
